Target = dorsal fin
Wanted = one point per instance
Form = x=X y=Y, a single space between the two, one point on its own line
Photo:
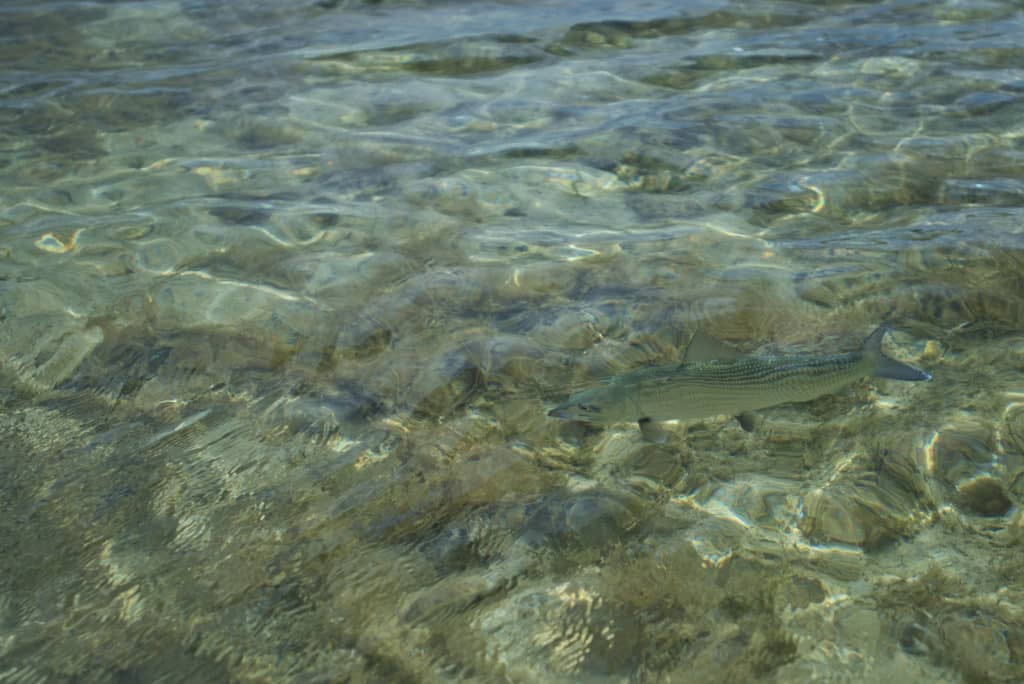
x=703 y=348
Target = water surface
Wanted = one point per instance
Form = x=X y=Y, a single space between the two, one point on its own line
x=287 y=290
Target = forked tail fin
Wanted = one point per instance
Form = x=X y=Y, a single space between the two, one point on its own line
x=885 y=367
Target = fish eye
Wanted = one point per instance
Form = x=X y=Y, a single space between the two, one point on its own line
x=590 y=408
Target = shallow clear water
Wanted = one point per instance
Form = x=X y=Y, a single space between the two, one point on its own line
x=287 y=290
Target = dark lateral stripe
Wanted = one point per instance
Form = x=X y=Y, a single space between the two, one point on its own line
x=758 y=373
x=769 y=377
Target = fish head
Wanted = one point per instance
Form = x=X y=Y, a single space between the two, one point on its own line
x=591 y=406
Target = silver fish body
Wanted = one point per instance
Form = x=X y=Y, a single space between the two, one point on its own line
x=703 y=388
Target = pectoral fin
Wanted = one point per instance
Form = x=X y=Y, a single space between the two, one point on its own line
x=748 y=420
x=651 y=431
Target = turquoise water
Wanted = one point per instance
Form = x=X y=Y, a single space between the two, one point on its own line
x=287 y=290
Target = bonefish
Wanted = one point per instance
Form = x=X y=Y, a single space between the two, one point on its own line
x=714 y=380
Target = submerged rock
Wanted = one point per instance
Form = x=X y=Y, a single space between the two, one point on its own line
x=591 y=519
x=571 y=330
x=445 y=385
x=654 y=464
x=561 y=630
x=959 y=451
x=984 y=495
x=361 y=338
x=596 y=520
x=867 y=502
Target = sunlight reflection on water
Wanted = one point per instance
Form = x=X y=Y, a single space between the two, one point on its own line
x=287 y=293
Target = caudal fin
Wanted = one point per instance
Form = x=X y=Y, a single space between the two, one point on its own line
x=886 y=367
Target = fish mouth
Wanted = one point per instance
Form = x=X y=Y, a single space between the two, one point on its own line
x=559 y=412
